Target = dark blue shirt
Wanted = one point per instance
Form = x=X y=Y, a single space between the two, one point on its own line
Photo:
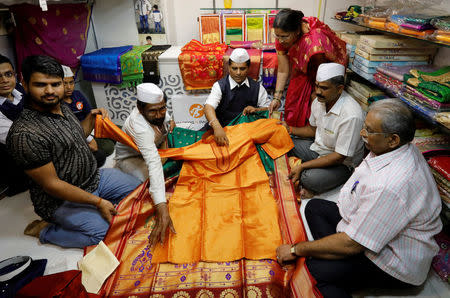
x=80 y=105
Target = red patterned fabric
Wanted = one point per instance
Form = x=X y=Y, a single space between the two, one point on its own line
x=201 y=65
x=319 y=40
x=441 y=164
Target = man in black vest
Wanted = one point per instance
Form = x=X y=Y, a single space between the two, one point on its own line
x=234 y=94
x=12 y=178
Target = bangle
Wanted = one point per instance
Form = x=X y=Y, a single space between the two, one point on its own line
x=210 y=122
x=276 y=99
x=293 y=250
x=278 y=91
x=98 y=202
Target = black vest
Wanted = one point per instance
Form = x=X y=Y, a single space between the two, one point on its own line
x=10 y=110
x=234 y=101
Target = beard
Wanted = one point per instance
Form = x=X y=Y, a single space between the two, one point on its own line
x=43 y=103
x=157 y=121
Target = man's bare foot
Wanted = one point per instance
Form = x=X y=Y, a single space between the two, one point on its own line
x=306 y=194
x=34 y=228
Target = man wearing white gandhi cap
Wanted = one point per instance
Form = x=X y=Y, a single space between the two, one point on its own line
x=234 y=94
x=330 y=146
x=148 y=125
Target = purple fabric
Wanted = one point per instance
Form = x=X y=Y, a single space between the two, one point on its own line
x=397 y=72
x=418 y=27
x=60 y=32
x=436 y=104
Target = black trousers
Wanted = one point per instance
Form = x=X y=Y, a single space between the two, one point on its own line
x=12 y=175
x=337 y=278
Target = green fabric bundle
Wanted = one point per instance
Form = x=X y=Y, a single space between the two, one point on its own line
x=131 y=65
x=181 y=137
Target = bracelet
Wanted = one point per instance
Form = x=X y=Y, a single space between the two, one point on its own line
x=290 y=130
x=293 y=250
x=98 y=202
x=278 y=91
x=276 y=99
x=210 y=122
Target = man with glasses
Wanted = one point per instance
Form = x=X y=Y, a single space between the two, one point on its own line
x=12 y=178
x=380 y=232
x=329 y=146
x=148 y=125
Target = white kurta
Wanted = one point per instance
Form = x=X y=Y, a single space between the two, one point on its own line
x=143 y=134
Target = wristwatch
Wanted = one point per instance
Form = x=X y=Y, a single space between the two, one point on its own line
x=293 y=250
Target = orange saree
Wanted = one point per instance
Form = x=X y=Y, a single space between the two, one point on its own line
x=137 y=274
x=222 y=207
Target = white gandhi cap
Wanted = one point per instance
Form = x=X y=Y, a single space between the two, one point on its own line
x=327 y=71
x=239 y=55
x=67 y=71
x=149 y=93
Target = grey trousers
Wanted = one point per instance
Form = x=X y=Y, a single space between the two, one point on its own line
x=318 y=180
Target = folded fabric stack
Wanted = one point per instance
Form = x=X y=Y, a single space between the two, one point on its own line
x=418 y=25
x=131 y=65
x=443 y=29
x=363 y=93
x=431 y=89
x=150 y=63
x=104 y=65
x=440 y=167
x=390 y=77
x=379 y=50
x=201 y=65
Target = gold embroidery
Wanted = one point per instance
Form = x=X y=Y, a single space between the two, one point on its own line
x=82 y=36
x=64 y=30
x=204 y=294
x=229 y=293
x=38 y=41
x=32 y=20
x=44 y=21
x=73 y=50
x=253 y=292
x=58 y=12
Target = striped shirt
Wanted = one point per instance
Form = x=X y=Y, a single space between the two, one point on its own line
x=38 y=138
x=391 y=206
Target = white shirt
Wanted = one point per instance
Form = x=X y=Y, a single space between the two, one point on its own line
x=390 y=205
x=215 y=96
x=5 y=122
x=143 y=6
x=156 y=16
x=339 y=129
x=142 y=133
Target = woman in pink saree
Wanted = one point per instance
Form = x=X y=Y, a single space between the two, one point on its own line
x=302 y=43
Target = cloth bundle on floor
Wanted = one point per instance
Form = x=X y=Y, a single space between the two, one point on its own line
x=201 y=65
x=104 y=65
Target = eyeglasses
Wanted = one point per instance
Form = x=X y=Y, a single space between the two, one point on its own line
x=8 y=74
x=366 y=132
x=282 y=38
x=155 y=111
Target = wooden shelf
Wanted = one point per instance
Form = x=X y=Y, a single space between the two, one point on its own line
x=439 y=43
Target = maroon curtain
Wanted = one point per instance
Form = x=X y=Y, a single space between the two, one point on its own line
x=60 y=32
